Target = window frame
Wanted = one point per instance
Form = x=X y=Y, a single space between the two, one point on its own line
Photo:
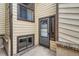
x=25 y=6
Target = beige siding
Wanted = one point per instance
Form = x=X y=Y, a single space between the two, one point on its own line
x=2 y=18
x=24 y=27
x=7 y=31
x=69 y=23
x=68 y=27
x=4 y=25
x=53 y=46
x=66 y=52
x=20 y=28
x=2 y=21
x=43 y=10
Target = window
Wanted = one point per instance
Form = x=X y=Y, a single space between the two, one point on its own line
x=26 y=12
x=25 y=42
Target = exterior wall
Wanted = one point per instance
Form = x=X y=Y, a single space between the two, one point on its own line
x=68 y=25
x=43 y=10
x=2 y=18
x=20 y=28
x=66 y=52
x=7 y=30
x=4 y=25
x=25 y=27
x=2 y=21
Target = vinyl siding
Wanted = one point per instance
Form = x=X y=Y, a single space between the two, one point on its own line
x=7 y=30
x=4 y=25
x=2 y=21
x=69 y=23
x=66 y=52
x=25 y=27
x=2 y=18
x=68 y=27
x=43 y=10
x=20 y=28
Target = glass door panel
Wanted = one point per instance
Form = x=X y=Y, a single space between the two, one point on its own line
x=44 y=27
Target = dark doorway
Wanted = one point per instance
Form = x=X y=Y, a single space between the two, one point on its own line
x=46 y=30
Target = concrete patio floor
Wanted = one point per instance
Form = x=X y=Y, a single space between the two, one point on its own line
x=39 y=51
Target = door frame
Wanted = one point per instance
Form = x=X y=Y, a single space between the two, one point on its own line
x=47 y=32
x=48 y=28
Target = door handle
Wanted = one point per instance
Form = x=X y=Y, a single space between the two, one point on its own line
x=48 y=33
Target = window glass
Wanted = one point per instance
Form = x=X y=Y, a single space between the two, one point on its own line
x=23 y=12
x=29 y=14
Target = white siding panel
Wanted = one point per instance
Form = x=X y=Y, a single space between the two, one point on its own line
x=70 y=16
x=67 y=37
x=69 y=5
x=70 y=27
x=69 y=10
x=65 y=40
x=69 y=22
x=46 y=9
x=69 y=32
x=2 y=18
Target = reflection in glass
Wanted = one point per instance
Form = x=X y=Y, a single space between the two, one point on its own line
x=44 y=28
x=44 y=24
